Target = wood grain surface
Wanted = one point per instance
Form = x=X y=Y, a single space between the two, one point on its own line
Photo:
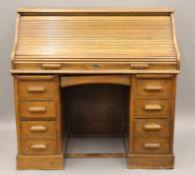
x=95 y=73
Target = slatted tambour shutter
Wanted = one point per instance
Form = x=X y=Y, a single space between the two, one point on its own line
x=96 y=37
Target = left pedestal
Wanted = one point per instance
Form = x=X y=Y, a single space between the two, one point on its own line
x=38 y=118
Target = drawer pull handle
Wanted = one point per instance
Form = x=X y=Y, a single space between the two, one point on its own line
x=38 y=128
x=51 y=66
x=38 y=147
x=36 y=89
x=139 y=66
x=37 y=109
x=153 y=88
x=152 y=127
x=151 y=107
x=152 y=145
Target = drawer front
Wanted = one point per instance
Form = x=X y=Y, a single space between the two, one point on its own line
x=152 y=127
x=38 y=129
x=152 y=108
x=37 y=90
x=151 y=146
x=153 y=87
x=38 y=147
x=37 y=109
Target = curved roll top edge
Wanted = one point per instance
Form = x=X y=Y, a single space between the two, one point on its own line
x=87 y=11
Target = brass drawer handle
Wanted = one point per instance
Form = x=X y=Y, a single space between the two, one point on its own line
x=36 y=89
x=139 y=66
x=152 y=127
x=152 y=145
x=37 y=109
x=38 y=129
x=153 y=107
x=153 y=88
x=38 y=147
x=51 y=66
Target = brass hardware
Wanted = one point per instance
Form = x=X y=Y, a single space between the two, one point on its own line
x=38 y=128
x=36 y=89
x=153 y=88
x=153 y=107
x=152 y=127
x=152 y=145
x=51 y=66
x=37 y=109
x=38 y=147
x=139 y=66
x=95 y=66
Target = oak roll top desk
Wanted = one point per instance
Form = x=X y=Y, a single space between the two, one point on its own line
x=95 y=72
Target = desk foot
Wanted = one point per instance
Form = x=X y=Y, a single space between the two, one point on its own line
x=42 y=162
x=148 y=161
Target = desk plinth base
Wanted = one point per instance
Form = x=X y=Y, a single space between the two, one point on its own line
x=146 y=161
x=42 y=162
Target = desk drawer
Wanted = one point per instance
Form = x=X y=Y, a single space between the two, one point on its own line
x=152 y=127
x=38 y=129
x=153 y=87
x=37 y=109
x=37 y=88
x=151 y=146
x=38 y=147
x=148 y=108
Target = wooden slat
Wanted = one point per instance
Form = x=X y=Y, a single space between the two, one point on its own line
x=94 y=71
x=95 y=11
x=107 y=10
x=37 y=78
x=134 y=59
x=153 y=76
